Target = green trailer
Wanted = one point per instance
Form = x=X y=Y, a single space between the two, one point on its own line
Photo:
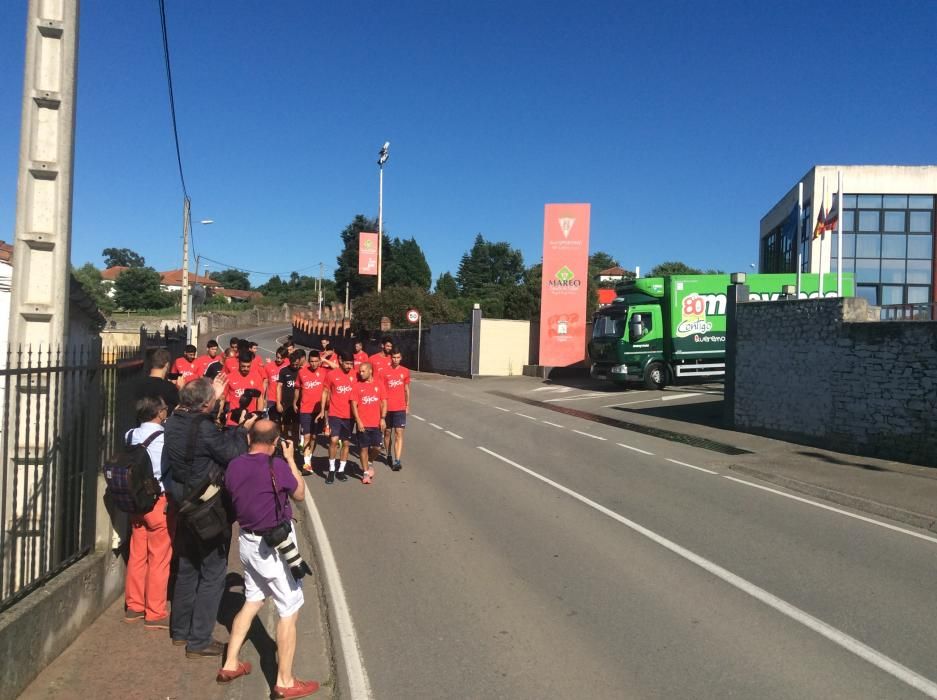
x=662 y=328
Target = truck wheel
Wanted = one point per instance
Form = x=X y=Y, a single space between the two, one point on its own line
x=655 y=376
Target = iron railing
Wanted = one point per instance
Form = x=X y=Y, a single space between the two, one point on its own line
x=63 y=412
x=909 y=312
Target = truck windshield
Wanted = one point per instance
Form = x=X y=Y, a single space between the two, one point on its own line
x=606 y=326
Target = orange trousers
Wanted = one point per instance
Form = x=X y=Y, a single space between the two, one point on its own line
x=148 y=564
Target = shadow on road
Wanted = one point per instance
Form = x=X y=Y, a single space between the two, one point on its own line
x=708 y=413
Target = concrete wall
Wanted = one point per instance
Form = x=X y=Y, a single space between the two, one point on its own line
x=448 y=348
x=504 y=347
x=824 y=372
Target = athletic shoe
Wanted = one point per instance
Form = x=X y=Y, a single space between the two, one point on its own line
x=341 y=476
x=396 y=466
x=330 y=477
x=132 y=616
x=306 y=470
x=160 y=624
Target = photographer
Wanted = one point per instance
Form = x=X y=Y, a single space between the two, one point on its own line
x=261 y=484
x=195 y=454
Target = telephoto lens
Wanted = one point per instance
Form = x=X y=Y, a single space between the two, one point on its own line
x=290 y=554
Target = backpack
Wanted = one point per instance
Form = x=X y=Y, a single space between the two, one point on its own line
x=129 y=476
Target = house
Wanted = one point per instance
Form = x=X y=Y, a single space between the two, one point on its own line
x=109 y=276
x=613 y=274
x=171 y=281
x=236 y=295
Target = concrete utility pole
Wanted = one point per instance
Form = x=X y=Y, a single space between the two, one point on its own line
x=184 y=306
x=319 y=289
x=42 y=244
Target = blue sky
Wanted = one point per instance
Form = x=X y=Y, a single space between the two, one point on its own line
x=681 y=122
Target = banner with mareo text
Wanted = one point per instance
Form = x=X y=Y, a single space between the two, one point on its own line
x=565 y=283
x=367 y=253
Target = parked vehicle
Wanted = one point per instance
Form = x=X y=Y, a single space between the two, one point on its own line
x=662 y=328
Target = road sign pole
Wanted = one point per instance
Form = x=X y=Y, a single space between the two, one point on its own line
x=419 y=341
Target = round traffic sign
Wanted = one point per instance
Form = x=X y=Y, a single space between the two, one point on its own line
x=413 y=315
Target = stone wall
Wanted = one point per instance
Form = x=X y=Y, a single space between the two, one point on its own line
x=828 y=373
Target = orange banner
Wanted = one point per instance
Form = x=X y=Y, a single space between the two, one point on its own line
x=565 y=284
x=367 y=253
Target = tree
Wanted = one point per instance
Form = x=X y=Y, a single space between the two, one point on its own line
x=89 y=277
x=232 y=279
x=447 y=286
x=673 y=268
x=489 y=264
x=347 y=270
x=394 y=302
x=122 y=257
x=599 y=261
x=139 y=288
x=406 y=265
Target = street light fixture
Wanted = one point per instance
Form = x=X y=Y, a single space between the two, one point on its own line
x=381 y=159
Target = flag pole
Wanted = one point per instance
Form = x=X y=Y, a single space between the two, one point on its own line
x=800 y=232
x=839 y=235
x=822 y=231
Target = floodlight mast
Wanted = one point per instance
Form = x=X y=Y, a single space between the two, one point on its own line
x=381 y=159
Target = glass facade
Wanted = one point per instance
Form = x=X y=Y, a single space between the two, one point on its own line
x=888 y=242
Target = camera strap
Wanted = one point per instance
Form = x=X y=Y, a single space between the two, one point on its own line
x=276 y=499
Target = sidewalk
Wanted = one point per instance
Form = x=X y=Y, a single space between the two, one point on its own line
x=112 y=659
x=898 y=491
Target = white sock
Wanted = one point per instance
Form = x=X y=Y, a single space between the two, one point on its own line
x=331 y=465
x=307 y=459
x=341 y=466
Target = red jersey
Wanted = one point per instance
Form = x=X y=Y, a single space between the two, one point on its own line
x=237 y=383
x=395 y=383
x=185 y=369
x=341 y=387
x=272 y=370
x=360 y=357
x=379 y=361
x=231 y=365
x=368 y=397
x=202 y=363
x=311 y=384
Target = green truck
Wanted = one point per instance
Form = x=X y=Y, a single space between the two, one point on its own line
x=662 y=328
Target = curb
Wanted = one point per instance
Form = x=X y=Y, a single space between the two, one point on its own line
x=883 y=510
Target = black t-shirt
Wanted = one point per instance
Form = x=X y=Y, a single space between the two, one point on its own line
x=155 y=387
x=288 y=378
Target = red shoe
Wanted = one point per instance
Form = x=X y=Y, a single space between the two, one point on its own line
x=299 y=689
x=244 y=667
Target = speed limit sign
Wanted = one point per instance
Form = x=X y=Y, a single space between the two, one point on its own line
x=413 y=315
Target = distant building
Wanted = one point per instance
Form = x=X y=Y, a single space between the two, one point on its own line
x=171 y=281
x=613 y=274
x=235 y=295
x=889 y=236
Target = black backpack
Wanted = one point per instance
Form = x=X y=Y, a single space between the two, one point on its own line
x=129 y=476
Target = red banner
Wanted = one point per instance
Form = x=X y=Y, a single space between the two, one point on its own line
x=565 y=284
x=367 y=253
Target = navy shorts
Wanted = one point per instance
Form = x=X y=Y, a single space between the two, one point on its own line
x=370 y=437
x=396 y=419
x=308 y=425
x=340 y=428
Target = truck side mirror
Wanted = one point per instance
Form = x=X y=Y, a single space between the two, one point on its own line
x=636 y=328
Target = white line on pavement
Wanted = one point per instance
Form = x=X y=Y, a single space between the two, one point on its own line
x=684 y=464
x=524 y=415
x=555 y=425
x=359 y=687
x=506 y=410
x=636 y=449
x=438 y=427
x=577 y=397
x=876 y=658
x=831 y=508
x=677 y=396
x=629 y=403
x=413 y=415
x=594 y=437
x=457 y=437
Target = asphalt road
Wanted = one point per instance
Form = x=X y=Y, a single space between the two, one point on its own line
x=522 y=553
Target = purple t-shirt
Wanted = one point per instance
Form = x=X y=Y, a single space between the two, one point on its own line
x=248 y=481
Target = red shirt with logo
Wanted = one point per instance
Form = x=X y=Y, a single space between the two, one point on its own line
x=185 y=369
x=202 y=363
x=311 y=384
x=237 y=384
x=360 y=357
x=231 y=365
x=368 y=397
x=272 y=370
x=395 y=381
x=341 y=388
x=379 y=361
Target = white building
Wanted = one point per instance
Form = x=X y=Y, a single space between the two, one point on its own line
x=888 y=230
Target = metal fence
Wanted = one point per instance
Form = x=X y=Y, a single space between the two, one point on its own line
x=909 y=312
x=63 y=412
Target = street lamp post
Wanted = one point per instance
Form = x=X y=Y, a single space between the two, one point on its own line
x=381 y=159
x=187 y=306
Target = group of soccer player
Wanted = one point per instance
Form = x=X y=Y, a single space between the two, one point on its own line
x=339 y=396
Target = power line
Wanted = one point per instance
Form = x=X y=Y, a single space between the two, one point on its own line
x=172 y=101
x=255 y=272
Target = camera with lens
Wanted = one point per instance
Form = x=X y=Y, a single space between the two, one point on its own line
x=246 y=398
x=279 y=539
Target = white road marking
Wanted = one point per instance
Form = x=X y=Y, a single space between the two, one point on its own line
x=413 y=415
x=457 y=437
x=594 y=437
x=672 y=397
x=636 y=449
x=577 y=397
x=555 y=425
x=630 y=403
x=863 y=518
x=359 y=687
x=506 y=410
x=684 y=464
x=555 y=389
x=524 y=415
x=851 y=644
x=438 y=427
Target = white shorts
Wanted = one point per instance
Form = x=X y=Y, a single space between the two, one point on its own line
x=267 y=576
